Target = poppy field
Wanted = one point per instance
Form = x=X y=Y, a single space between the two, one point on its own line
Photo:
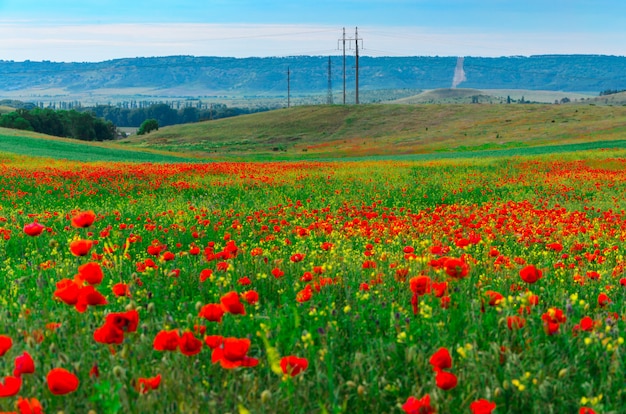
x=487 y=285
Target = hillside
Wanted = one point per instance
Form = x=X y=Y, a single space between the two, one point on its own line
x=343 y=131
x=253 y=79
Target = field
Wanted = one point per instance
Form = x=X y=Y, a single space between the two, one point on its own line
x=388 y=286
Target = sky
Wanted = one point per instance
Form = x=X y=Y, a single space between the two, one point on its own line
x=99 y=30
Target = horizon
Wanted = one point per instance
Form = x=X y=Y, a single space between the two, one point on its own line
x=97 y=31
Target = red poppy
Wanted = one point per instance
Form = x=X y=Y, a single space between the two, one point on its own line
x=146 y=384
x=231 y=303
x=515 y=322
x=586 y=323
x=420 y=285
x=212 y=312
x=83 y=219
x=232 y=354
x=80 y=247
x=456 y=268
x=415 y=406
x=89 y=296
x=305 y=294
x=5 y=344
x=108 y=334
x=292 y=365
x=166 y=340
x=29 y=406
x=24 y=364
x=61 y=381
x=494 y=297
x=441 y=360
x=34 y=229
x=91 y=273
x=445 y=380
x=213 y=341
x=530 y=274
x=586 y=410
x=168 y=256
x=205 y=274
x=603 y=300
x=67 y=290
x=298 y=257
x=10 y=387
x=244 y=281
x=482 y=406
x=188 y=344
x=277 y=273
x=127 y=321
x=250 y=296
x=121 y=289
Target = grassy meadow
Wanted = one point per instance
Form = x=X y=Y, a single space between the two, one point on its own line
x=489 y=283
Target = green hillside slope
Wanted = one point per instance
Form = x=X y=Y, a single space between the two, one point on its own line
x=343 y=131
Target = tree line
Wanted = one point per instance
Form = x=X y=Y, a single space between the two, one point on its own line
x=166 y=115
x=70 y=124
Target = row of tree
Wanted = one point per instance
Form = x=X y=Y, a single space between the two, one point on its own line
x=166 y=115
x=71 y=124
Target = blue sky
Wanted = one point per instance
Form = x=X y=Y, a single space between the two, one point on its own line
x=95 y=30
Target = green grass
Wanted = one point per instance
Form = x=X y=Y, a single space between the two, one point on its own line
x=352 y=131
x=78 y=150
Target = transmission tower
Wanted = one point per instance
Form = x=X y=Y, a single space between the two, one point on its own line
x=356 y=41
x=329 y=96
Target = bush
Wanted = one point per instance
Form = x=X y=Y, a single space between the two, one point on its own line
x=148 y=126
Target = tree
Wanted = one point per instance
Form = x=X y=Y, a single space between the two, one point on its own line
x=148 y=126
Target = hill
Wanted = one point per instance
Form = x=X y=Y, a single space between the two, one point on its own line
x=253 y=79
x=331 y=131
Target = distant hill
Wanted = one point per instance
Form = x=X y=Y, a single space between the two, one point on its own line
x=257 y=78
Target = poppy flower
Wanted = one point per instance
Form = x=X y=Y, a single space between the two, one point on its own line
x=292 y=365
x=456 y=268
x=213 y=341
x=188 y=344
x=83 y=219
x=297 y=257
x=586 y=323
x=212 y=312
x=121 y=289
x=61 y=381
x=231 y=303
x=126 y=321
x=530 y=274
x=108 y=334
x=515 y=322
x=5 y=344
x=147 y=384
x=24 y=364
x=89 y=296
x=91 y=273
x=441 y=360
x=482 y=406
x=586 y=410
x=494 y=297
x=10 y=386
x=445 y=380
x=251 y=297
x=232 y=354
x=29 y=406
x=420 y=285
x=80 y=247
x=415 y=406
x=603 y=299
x=205 y=274
x=34 y=229
x=305 y=294
x=166 y=340
x=67 y=290
x=277 y=273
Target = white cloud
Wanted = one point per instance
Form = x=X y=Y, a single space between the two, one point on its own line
x=22 y=41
